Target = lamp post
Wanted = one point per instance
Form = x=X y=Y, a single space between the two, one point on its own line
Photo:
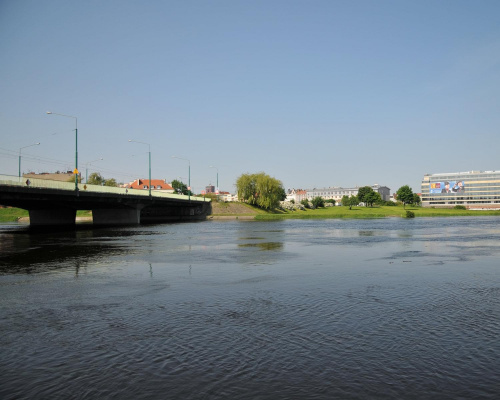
x=217 y=187
x=87 y=168
x=34 y=144
x=76 y=146
x=149 y=151
x=189 y=175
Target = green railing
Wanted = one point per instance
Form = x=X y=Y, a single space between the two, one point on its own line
x=83 y=187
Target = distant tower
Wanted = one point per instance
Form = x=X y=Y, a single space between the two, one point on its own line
x=210 y=189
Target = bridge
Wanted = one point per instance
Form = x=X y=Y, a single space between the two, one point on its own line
x=53 y=203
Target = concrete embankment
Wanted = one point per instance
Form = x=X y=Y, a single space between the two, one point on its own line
x=229 y=211
x=26 y=220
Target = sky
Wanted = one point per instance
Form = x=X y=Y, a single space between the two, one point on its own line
x=314 y=93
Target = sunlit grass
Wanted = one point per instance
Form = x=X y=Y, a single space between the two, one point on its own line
x=373 y=212
x=13 y=214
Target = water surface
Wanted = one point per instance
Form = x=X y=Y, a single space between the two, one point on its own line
x=296 y=309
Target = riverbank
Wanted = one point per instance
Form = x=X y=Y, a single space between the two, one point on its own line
x=237 y=210
x=19 y=215
x=241 y=211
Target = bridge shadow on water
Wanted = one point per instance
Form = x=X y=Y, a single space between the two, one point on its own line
x=25 y=250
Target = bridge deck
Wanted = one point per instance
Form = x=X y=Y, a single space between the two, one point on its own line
x=56 y=203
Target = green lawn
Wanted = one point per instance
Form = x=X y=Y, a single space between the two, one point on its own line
x=13 y=214
x=375 y=212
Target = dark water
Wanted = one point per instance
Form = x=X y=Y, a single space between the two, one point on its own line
x=378 y=309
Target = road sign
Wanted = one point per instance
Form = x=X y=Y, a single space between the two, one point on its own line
x=75 y=171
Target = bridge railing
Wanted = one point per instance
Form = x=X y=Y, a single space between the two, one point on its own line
x=70 y=186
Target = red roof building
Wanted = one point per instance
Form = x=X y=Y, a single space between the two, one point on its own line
x=156 y=184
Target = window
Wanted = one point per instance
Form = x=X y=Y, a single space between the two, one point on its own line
x=145 y=187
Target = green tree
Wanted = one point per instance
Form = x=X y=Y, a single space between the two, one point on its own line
x=405 y=195
x=416 y=199
x=245 y=186
x=180 y=187
x=95 y=178
x=372 y=197
x=282 y=194
x=260 y=189
x=270 y=191
x=330 y=201
x=318 y=202
x=350 y=201
x=305 y=203
x=364 y=193
x=111 y=182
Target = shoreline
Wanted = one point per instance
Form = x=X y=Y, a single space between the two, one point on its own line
x=231 y=212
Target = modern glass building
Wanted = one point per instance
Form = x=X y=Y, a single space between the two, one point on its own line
x=474 y=189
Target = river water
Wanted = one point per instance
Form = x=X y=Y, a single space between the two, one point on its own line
x=297 y=309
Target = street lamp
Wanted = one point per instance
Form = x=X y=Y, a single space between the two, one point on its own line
x=217 y=187
x=34 y=144
x=87 y=168
x=76 y=145
x=149 y=146
x=189 y=175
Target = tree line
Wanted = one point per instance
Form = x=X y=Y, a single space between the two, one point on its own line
x=368 y=196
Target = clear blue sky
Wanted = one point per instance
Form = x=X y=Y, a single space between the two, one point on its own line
x=314 y=93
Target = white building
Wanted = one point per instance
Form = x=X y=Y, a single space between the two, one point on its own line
x=227 y=197
x=297 y=195
x=337 y=193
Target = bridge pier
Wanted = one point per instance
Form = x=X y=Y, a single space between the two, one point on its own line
x=116 y=216
x=59 y=217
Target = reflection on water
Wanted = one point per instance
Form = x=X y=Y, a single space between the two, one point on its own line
x=264 y=245
x=387 y=309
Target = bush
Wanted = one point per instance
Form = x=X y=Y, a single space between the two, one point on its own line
x=458 y=207
x=289 y=206
x=305 y=203
x=410 y=214
x=318 y=202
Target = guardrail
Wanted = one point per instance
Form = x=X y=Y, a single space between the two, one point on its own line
x=83 y=187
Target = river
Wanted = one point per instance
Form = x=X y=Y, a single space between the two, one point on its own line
x=297 y=309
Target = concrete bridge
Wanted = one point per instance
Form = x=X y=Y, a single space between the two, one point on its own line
x=52 y=203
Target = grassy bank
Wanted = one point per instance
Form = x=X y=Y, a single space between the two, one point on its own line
x=13 y=214
x=373 y=212
x=245 y=210
x=241 y=209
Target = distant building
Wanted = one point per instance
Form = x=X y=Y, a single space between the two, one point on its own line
x=474 y=189
x=210 y=189
x=336 y=193
x=156 y=184
x=227 y=197
x=297 y=195
x=383 y=191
